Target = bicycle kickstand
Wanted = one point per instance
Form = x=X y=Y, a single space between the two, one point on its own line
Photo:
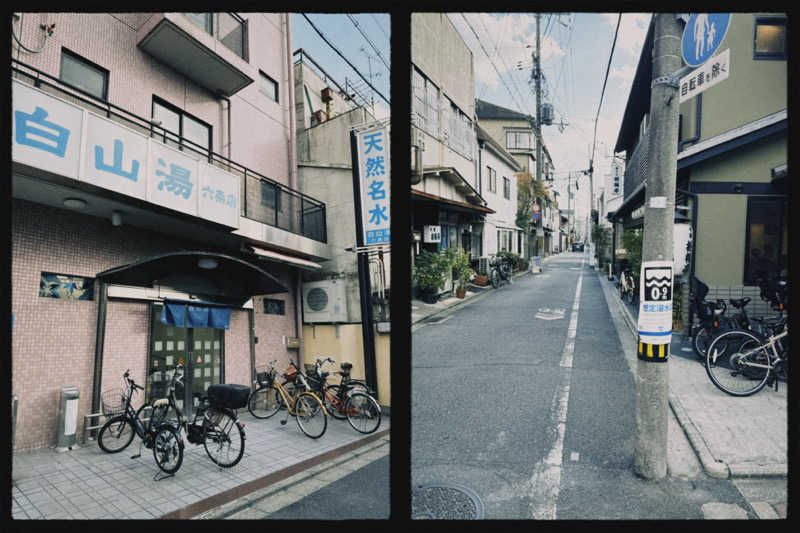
x=140 y=451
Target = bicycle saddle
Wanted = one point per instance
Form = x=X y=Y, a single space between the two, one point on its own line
x=160 y=402
x=740 y=302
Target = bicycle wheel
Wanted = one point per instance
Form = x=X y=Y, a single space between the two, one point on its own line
x=310 y=416
x=288 y=386
x=264 y=402
x=744 y=369
x=630 y=295
x=495 y=278
x=223 y=437
x=363 y=412
x=700 y=342
x=167 y=449
x=334 y=408
x=116 y=434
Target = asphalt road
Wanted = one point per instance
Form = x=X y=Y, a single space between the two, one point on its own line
x=522 y=401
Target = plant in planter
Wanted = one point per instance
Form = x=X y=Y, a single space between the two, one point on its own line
x=677 y=305
x=462 y=270
x=430 y=271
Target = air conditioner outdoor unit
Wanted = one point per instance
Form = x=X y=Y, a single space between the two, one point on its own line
x=483 y=265
x=324 y=301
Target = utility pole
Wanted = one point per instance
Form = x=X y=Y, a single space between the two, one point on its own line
x=537 y=73
x=652 y=373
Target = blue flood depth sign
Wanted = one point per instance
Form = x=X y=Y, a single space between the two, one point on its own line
x=702 y=35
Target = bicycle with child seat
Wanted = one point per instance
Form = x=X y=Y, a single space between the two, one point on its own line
x=349 y=399
x=269 y=396
x=118 y=432
x=215 y=424
x=741 y=362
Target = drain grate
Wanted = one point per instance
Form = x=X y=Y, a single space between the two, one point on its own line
x=445 y=501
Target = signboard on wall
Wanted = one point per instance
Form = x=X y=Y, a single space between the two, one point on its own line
x=373 y=184
x=67 y=140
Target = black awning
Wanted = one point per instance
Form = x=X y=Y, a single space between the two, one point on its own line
x=209 y=275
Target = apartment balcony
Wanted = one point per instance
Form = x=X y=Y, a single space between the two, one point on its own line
x=67 y=144
x=208 y=48
x=636 y=167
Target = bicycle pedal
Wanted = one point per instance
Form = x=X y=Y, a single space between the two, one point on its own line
x=283 y=422
x=136 y=456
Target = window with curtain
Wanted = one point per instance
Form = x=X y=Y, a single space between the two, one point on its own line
x=770 y=38
x=766 y=242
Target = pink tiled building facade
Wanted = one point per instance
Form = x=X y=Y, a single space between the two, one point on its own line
x=153 y=157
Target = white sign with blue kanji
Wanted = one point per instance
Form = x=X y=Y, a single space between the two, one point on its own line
x=45 y=131
x=115 y=158
x=702 y=35
x=712 y=72
x=219 y=195
x=172 y=181
x=374 y=184
x=655 y=302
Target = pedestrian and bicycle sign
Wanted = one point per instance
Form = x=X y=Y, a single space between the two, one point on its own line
x=655 y=310
x=702 y=35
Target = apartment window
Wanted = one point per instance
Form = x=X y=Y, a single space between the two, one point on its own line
x=520 y=140
x=506 y=188
x=425 y=103
x=770 y=38
x=457 y=128
x=492 y=183
x=187 y=127
x=203 y=20
x=267 y=86
x=766 y=242
x=84 y=75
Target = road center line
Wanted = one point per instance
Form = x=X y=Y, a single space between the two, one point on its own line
x=546 y=479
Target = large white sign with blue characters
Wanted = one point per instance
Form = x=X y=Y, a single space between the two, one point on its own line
x=67 y=140
x=374 y=181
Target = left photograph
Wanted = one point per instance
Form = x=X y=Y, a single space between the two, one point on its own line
x=200 y=265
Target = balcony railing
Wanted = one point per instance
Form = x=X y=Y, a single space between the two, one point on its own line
x=263 y=199
x=227 y=28
x=636 y=166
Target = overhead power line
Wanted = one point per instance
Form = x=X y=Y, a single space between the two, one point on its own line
x=608 y=69
x=345 y=59
x=381 y=27
x=358 y=27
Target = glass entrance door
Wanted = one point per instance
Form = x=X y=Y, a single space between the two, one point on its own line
x=198 y=349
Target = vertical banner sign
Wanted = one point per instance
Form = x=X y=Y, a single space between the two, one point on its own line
x=655 y=307
x=374 y=184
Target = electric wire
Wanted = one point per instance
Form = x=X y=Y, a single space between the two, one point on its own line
x=602 y=93
x=345 y=59
x=497 y=53
x=377 y=22
x=363 y=34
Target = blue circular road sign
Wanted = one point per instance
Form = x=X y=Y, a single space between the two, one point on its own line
x=702 y=35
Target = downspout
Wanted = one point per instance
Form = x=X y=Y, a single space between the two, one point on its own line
x=224 y=98
x=697 y=122
x=290 y=97
x=694 y=250
x=298 y=302
x=102 y=306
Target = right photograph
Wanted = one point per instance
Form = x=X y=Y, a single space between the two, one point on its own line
x=599 y=266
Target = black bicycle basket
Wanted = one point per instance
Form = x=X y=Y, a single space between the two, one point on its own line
x=228 y=395
x=265 y=378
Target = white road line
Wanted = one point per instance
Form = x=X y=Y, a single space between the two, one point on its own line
x=546 y=478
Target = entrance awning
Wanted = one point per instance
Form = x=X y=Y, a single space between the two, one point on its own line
x=208 y=275
x=452 y=204
x=305 y=264
x=195 y=314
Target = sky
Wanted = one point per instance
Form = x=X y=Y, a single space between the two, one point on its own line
x=341 y=31
x=575 y=49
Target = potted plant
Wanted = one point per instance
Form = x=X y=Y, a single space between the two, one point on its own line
x=430 y=271
x=677 y=305
x=462 y=270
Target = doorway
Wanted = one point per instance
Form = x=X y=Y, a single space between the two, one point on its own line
x=200 y=350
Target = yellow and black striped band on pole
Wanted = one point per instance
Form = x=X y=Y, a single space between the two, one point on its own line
x=657 y=353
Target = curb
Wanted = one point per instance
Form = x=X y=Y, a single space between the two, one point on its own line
x=711 y=466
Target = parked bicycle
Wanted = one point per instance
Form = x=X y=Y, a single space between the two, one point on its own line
x=349 y=399
x=711 y=316
x=269 y=395
x=118 y=432
x=741 y=362
x=627 y=285
x=215 y=424
x=500 y=270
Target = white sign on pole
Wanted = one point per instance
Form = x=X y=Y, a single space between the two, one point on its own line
x=707 y=75
x=655 y=302
x=374 y=184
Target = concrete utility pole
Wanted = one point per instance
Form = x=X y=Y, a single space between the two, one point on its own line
x=538 y=79
x=652 y=374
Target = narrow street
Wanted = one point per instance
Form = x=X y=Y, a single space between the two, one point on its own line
x=524 y=401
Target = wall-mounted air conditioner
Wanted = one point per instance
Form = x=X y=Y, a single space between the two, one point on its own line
x=324 y=301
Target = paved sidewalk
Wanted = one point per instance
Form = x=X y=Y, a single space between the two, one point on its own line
x=87 y=483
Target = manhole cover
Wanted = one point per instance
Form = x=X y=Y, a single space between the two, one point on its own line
x=445 y=501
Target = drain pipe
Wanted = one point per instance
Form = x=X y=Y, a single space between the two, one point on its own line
x=694 y=250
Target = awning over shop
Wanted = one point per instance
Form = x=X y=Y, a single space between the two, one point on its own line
x=453 y=204
x=195 y=314
x=272 y=255
x=209 y=275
